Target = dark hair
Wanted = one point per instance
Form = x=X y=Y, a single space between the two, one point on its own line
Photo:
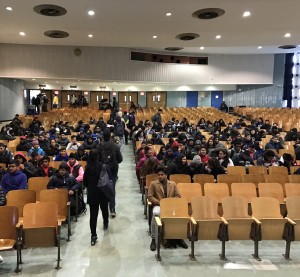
x=93 y=156
x=162 y=169
x=73 y=136
x=45 y=158
x=64 y=165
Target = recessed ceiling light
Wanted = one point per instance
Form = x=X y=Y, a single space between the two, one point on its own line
x=154 y=36
x=90 y=36
x=22 y=34
x=246 y=13
x=201 y=48
x=287 y=35
x=259 y=47
x=33 y=79
x=218 y=36
x=168 y=14
x=8 y=8
x=91 y=13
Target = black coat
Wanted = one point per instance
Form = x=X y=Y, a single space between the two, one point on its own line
x=90 y=181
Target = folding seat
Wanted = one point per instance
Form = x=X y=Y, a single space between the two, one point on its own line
x=278 y=170
x=257 y=170
x=277 y=178
x=37 y=184
x=236 y=170
x=247 y=190
x=180 y=178
x=202 y=179
x=189 y=191
x=253 y=178
x=294 y=178
x=229 y=179
x=292 y=189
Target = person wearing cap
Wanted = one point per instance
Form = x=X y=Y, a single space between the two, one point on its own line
x=75 y=168
x=23 y=145
x=14 y=179
x=196 y=166
x=26 y=167
x=89 y=144
x=62 y=155
x=36 y=149
x=5 y=154
x=45 y=170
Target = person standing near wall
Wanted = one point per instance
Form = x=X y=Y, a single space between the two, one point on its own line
x=55 y=101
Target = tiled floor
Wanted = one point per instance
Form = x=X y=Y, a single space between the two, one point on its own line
x=123 y=250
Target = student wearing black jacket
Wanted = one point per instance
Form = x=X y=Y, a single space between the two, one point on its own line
x=95 y=196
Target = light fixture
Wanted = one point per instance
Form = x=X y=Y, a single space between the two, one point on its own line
x=91 y=13
x=90 y=35
x=33 y=79
x=154 y=36
x=218 y=36
x=168 y=14
x=8 y=8
x=22 y=34
x=287 y=35
x=246 y=13
x=259 y=47
x=201 y=48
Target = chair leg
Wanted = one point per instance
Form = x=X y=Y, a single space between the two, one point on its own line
x=255 y=255
x=69 y=229
x=58 y=249
x=76 y=196
x=158 y=243
x=192 y=255
x=145 y=204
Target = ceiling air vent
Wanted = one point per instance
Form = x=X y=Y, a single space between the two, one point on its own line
x=56 y=34
x=286 y=47
x=187 y=36
x=50 y=10
x=209 y=13
x=173 y=48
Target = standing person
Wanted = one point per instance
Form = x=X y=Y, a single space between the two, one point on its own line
x=110 y=154
x=95 y=196
x=55 y=101
x=157 y=117
x=159 y=189
x=120 y=129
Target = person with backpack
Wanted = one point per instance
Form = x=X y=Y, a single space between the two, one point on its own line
x=157 y=117
x=95 y=196
x=110 y=154
x=119 y=128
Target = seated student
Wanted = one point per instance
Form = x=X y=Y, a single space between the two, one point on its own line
x=274 y=143
x=159 y=189
x=23 y=145
x=62 y=179
x=73 y=145
x=45 y=170
x=196 y=166
x=161 y=154
x=223 y=158
x=36 y=148
x=14 y=179
x=203 y=155
x=62 y=156
x=89 y=144
x=63 y=140
x=178 y=166
x=54 y=148
x=148 y=154
x=75 y=168
x=243 y=158
x=35 y=159
x=5 y=154
x=214 y=168
x=26 y=167
x=267 y=159
x=81 y=155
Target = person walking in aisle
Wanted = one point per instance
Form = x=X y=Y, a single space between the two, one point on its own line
x=95 y=196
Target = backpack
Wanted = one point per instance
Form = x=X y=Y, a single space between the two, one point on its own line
x=107 y=154
x=105 y=182
x=119 y=129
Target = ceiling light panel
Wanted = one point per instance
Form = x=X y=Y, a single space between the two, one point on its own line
x=91 y=13
x=9 y=8
x=246 y=14
x=22 y=34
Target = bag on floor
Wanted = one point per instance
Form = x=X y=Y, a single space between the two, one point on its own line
x=105 y=182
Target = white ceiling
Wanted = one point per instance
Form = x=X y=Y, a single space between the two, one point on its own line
x=133 y=23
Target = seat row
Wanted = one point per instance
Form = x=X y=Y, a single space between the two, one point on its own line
x=205 y=223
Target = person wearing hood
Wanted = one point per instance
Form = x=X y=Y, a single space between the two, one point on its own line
x=14 y=179
x=89 y=144
x=81 y=154
x=196 y=166
x=75 y=168
x=26 y=167
x=53 y=149
x=36 y=148
x=5 y=154
x=23 y=145
x=178 y=166
x=45 y=170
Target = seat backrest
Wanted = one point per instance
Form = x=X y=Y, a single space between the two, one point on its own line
x=173 y=207
x=180 y=178
x=276 y=178
x=229 y=178
x=203 y=178
x=59 y=196
x=257 y=170
x=3 y=165
x=265 y=207
x=9 y=217
x=235 y=207
x=55 y=164
x=83 y=164
x=293 y=207
x=205 y=207
x=292 y=189
x=38 y=215
x=150 y=178
x=37 y=184
x=19 y=198
x=274 y=190
x=189 y=190
x=247 y=190
x=253 y=178
x=216 y=190
x=294 y=178
x=278 y=170
x=236 y=170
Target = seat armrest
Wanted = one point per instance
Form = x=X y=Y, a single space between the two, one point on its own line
x=193 y=221
x=69 y=203
x=224 y=220
x=256 y=220
x=290 y=221
x=19 y=225
x=149 y=203
x=158 y=221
